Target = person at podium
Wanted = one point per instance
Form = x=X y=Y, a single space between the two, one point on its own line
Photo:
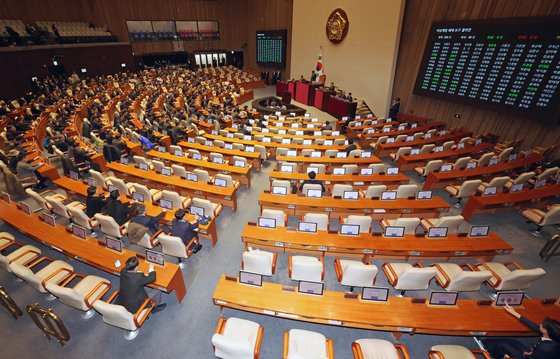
x=313 y=77
x=394 y=110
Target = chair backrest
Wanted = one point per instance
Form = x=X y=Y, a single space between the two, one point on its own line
x=355 y=153
x=99 y=179
x=520 y=279
x=461 y=163
x=297 y=140
x=415 y=278
x=548 y=173
x=257 y=261
x=431 y=166
x=357 y=274
x=402 y=151
x=321 y=219
x=448 y=145
x=140 y=159
x=121 y=186
x=464 y=140
x=215 y=155
x=172 y=246
x=219 y=143
x=173 y=148
x=239 y=158
x=505 y=154
x=158 y=165
x=37 y=198
x=206 y=204
x=115 y=315
x=306 y=344
x=524 y=177
x=469 y=281
x=200 y=140
x=363 y=221
x=140 y=188
x=173 y=197
x=431 y=131
x=282 y=183
x=409 y=224
x=79 y=217
x=377 y=168
x=331 y=153
x=192 y=152
x=400 y=138
x=240 y=146
x=308 y=186
x=418 y=135
x=108 y=225
x=261 y=150
x=67 y=295
x=485 y=158
x=58 y=207
x=306 y=152
x=407 y=190
x=306 y=268
x=179 y=170
x=202 y=175
x=350 y=169
x=451 y=222
x=277 y=214
x=339 y=189
x=319 y=141
x=281 y=151
x=321 y=167
x=374 y=191
x=468 y=188
x=227 y=178
x=498 y=182
x=427 y=148
x=551 y=217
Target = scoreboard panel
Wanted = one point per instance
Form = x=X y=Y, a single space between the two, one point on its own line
x=271 y=48
x=508 y=65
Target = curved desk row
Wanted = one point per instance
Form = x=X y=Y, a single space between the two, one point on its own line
x=384 y=149
x=253 y=157
x=410 y=162
x=358 y=181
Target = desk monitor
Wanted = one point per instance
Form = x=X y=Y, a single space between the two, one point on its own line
x=161 y=148
x=340 y=154
x=197 y=210
x=208 y=143
x=390 y=140
x=512 y=157
x=291 y=153
x=250 y=278
x=315 y=154
x=299 y=133
x=414 y=125
x=370 y=131
x=394 y=231
x=229 y=135
x=540 y=183
x=350 y=195
x=315 y=288
x=490 y=191
x=401 y=127
x=511 y=298
x=49 y=219
x=265 y=222
x=415 y=151
x=517 y=187
x=279 y=190
x=314 y=193
x=228 y=146
x=138 y=196
x=266 y=117
x=218 y=160
x=478 y=142
x=375 y=294
x=250 y=149
x=386 y=130
x=328 y=143
x=91 y=182
x=307 y=142
x=214 y=132
x=239 y=163
x=339 y=171
x=446 y=168
x=437 y=232
x=197 y=156
x=350 y=229
x=314 y=119
x=365 y=154
x=24 y=207
x=249 y=128
x=113 y=243
x=286 y=168
x=443 y=298
x=165 y=203
x=266 y=140
x=220 y=182
x=277 y=113
x=344 y=118
x=155 y=257
x=79 y=231
x=471 y=165
x=112 y=188
x=409 y=138
x=281 y=132
x=166 y=171
x=389 y=195
x=479 y=231
x=143 y=166
x=438 y=149
x=6 y=197
x=317 y=133
x=335 y=133
x=493 y=161
x=366 y=171
x=428 y=135
x=193 y=177
x=74 y=175
x=357 y=124
x=179 y=153
x=311 y=169
x=392 y=171
x=461 y=145
x=265 y=130
x=308 y=227
x=294 y=125
x=424 y=195
x=247 y=137
x=190 y=139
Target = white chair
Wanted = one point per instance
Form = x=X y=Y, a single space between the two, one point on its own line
x=173 y=148
x=83 y=295
x=427 y=148
x=546 y=174
x=304 y=344
x=461 y=163
x=400 y=152
x=81 y=219
x=191 y=152
x=239 y=159
x=125 y=189
x=276 y=214
x=466 y=189
x=465 y=140
x=177 y=200
x=283 y=184
x=210 y=209
x=240 y=146
x=141 y=160
x=293 y=166
x=110 y=227
x=174 y=246
x=378 y=349
x=521 y=179
x=260 y=262
x=504 y=278
x=321 y=219
x=306 y=268
x=375 y=191
x=407 y=190
x=339 y=189
x=237 y=339
x=219 y=156
x=261 y=150
x=455 y=352
x=99 y=179
x=409 y=223
x=150 y=195
x=355 y=273
x=202 y=175
x=23 y=255
x=321 y=168
x=41 y=201
x=452 y=277
x=229 y=180
x=55 y=272
x=355 y=153
x=498 y=182
x=485 y=159
x=363 y=221
x=179 y=170
x=158 y=165
x=448 y=145
x=60 y=209
x=433 y=165
x=309 y=186
x=405 y=276
x=350 y=169
x=377 y=168
x=541 y=218
x=504 y=155
x=451 y=222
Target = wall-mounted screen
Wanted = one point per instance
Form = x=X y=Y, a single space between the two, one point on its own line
x=271 y=48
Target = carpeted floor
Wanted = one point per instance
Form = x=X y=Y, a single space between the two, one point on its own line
x=185 y=331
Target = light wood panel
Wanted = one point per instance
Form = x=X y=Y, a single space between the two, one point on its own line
x=419 y=15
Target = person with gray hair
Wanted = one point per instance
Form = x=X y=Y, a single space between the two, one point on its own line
x=142 y=218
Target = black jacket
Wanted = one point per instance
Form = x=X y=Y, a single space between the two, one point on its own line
x=132 y=293
x=310 y=181
x=118 y=210
x=184 y=230
x=148 y=221
x=94 y=205
x=544 y=349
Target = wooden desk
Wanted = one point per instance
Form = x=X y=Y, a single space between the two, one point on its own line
x=335 y=207
x=79 y=189
x=241 y=174
x=254 y=157
x=321 y=98
x=287 y=135
x=168 y=278
x=397 y=315
x=441 y=179
x=379 y=247
x=134 y=148
x=339 y=108
x=410 y=162
x=510 y=200
x=225 y=195
x=330 y=162
x=353 y=131
x=384 y=149
x=366 y=139
x=358 y=181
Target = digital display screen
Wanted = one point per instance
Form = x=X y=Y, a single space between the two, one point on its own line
x=314 y=288
x=510 y=298
x=499 y=64
x=443 y=298
x=267 y=222
x=155 y=257
x=250 y=278
x=271 y=48
x=375 y=294
x=309 y=227
x=79 y=231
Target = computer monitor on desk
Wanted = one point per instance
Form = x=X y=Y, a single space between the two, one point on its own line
x=250 y=278
x=350 y=195
x=165 y=203
x=366 y=171
x=265 y=222
x=138 y=196
x=192 y=177
x=314 y=193
x=394 y=231
x=195 y=210
x=79 y=231
x=350 y=229
x=443 y=298
x=166 y=171
x=91 y=182
x=437 y=232
x=155 y=257
x=510 y=298
x=375 y=294
x=113 y=243
x=424 y=195
x=339 y=171
x=308 y=227
x=279 y=190
x=479 y=231
x=314 y=288
x=388 y=195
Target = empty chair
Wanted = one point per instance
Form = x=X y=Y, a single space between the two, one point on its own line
x=448 y=145
x=521 y=179
x=355 y=273
x=541 y=218
x=374 y=191
x=405 y=276
x=202 y=175
x=431 y=131
x=378 y=349
x=451 y=222
x=433 y=165
x=306 y=268
x=350 y=169
x=125 y=189
x=407 y=190
x=427 y=148
x=214 y=156
x=319 y=141
x=201 y=140
x=139 y=159
x=261 y=150
x=400 y=138
x=240 y=146
x=377 y=168
x=60 y=209
x=485 y=159
x=228 y=179
x=321 y=219
x=331 y=153
x=461 y=163
x=55 y=272
x=504 y=155
x=321 y=167
x=291 y=165
x=210 y=209
x=380 y=140
x=158 y=165
x=41 y=201
x=174 y=246
x=219 y=143
x=237 y=339
x=409 y=224
x=260 y=262
x=191 y=152
x=308 y=186
x=504 y=278
x=150 y=195
x=465 y=140
x=452 y=277
x=363 y=221
x=110 y=227
x=281 y=151
x=355 y=153
x=339 y=189
x=498 y=182
x=179 y=170
x=277 y=139
x=23 y=255
x=418 y=135
x=240 y=160
x=282 y=183
x=455 y=352
x=258 y=138
x=276 y=214
x=297 y=140
x=466 y=189
x=6 y=240
x=80 y=218
x=99 y=179
x=339 y=142
x=173 y=148
x=177 y=200
x=400 y=152
x=300 y=344
x=83 y=295
x=306 y=152
x=547 y=174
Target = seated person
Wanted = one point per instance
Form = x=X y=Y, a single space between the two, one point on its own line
x=132 y=292
x=351 y=146
x=94 y=204
x=185 y=230
x=312 y=180
x=118 y=210
x=327 y=126
x=150 y=222
x=26 y=170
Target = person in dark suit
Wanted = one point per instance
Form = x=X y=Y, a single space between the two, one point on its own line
x=351 y=146
x=548 y=346
x=185 y=230
x=327 y=126
x=312 y=180
x=150 y=222
x=313 y=76
x=94 y=204
x=394 y=110
x=118 y=210
x=132 y=292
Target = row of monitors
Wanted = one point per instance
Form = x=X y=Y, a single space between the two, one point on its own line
x=198 y=157
x=390 y=231
x=391 y=171
x=351 y=195
x=381 y=294
x=285 y=141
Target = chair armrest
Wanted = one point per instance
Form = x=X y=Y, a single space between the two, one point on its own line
x=323 y=268
x=338 y=269
x=357 y=351
x=69 y=279
x=123 y=228
x=221 y=325
x=514 y=263
x=33 y=264
x=286 y=345
x=153 y=239
x=70 y=274
x=107 y=286
x=469 y=266
x=258 y=343
x=330 y=348
x=388 y=269
x=494 y=274
x=418 y=264
x=401 y=350
x=483 y=353
x=113 y=296
x=141 y=309
x=26 y=252
x=443 y=274
x=435 y=354
x=273 y=262
x=290 y=266
x=187 y=202
x=93 y=222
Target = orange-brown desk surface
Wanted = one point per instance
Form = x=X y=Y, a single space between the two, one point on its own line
x=441 y=179
x=510 y=200
x=367 y=138
x=359 y=181
x=384 y=149
x=168 y=278
x=397 y=315
x=303 y=161
x=410 y=162
x=274 y=145
x=254 y=156
x=289 y=135
x=377 y=209
x=410 y=247
x=224 y=195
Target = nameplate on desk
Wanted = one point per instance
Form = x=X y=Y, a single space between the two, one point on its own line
x=220 y=302
x=351 y=295
x=230 y=278
x=328 y=209
x=404 y=329
x=379 y=210
x=418 y=300
x=549 y=301
x=335 y=322
x=279 y=244
x=478 y=334
x=268 y=312
x=287 y=315
x=288 y=288
x=484 y=302
x=291 y=206
x=414 y=253
x=367 y=251
x=460 y=253
x=323 y=248
x=359 y=183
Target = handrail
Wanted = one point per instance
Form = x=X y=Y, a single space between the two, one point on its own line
x=550 y=249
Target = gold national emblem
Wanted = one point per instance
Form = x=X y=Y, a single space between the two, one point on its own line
x=337 y=26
